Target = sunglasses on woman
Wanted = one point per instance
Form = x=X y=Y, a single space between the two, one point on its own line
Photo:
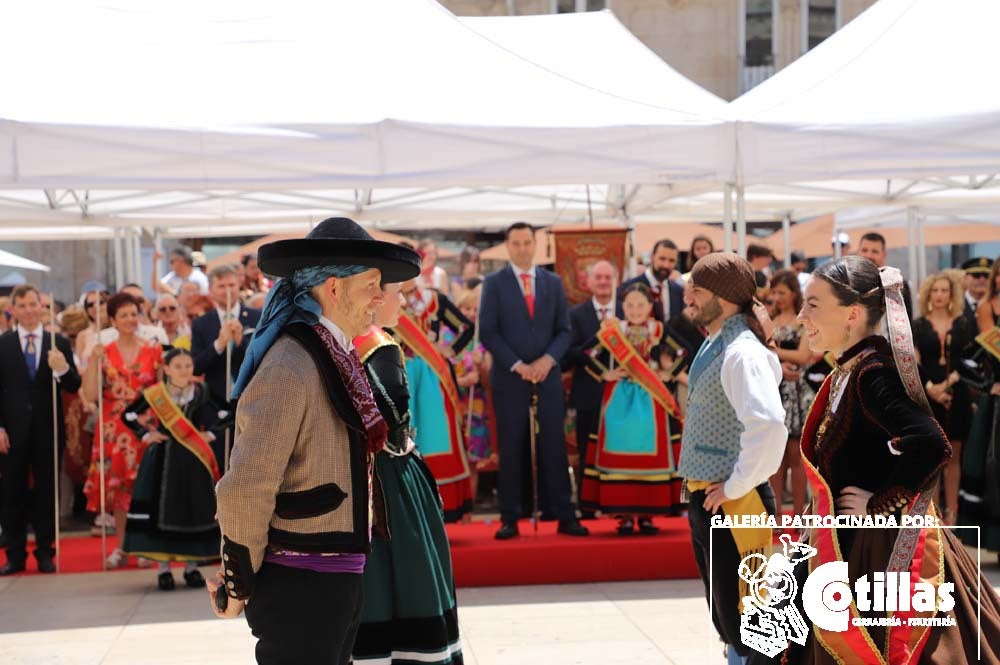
x=166 y=308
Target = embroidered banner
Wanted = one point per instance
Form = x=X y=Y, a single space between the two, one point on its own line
x=578 y=248
x=183 y=430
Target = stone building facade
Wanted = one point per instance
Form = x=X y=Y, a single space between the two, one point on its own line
x=726 y=46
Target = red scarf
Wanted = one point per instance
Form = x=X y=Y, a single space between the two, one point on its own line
x=356 y=382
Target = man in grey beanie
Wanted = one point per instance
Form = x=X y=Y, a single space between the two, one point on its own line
x=734 y=433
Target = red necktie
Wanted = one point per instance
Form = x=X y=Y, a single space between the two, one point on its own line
x=529 y=297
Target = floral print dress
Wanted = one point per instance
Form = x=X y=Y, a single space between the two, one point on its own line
x=122 y=450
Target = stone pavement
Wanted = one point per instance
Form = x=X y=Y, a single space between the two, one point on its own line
x=120 y=618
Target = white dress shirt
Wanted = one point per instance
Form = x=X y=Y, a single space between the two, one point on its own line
x=338 y=334
x=38 y=332
x=609 y=309
x=520 y=280
x=232 y=315
x=175 y=281
x=750 y=377
x=664 y=287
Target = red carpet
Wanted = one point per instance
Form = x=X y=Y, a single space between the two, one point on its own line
x=604 y=556
x=480 y=560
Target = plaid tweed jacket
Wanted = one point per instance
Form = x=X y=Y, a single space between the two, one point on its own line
x=299 y=468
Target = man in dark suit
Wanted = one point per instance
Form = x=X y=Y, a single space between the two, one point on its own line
x=977 y=274
x=668 y=295
x=209 y=336
x=27 y=364
x=872 y=247
x=587 y=388
x=523 y=322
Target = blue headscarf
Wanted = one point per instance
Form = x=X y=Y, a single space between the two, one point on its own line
x=289 y=301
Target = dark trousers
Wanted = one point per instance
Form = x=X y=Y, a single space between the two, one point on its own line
x=511 y=401
x=721 y=571
x=29 y=457
x=301 y=617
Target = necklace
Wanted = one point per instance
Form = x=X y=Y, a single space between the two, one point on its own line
x=838 y=376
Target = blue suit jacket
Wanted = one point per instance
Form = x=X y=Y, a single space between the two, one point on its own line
x=509 y=333
x=676 y=298
x=204 y=331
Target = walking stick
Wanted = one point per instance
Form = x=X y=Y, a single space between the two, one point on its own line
x=533 y=417
x=472 y=388
x=55 y=426
x=229 y=375
x=99 y=431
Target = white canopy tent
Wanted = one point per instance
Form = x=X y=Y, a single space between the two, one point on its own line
x=11 y=260
x=347 y=94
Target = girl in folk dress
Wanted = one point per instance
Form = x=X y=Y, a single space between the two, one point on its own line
x=629 y=471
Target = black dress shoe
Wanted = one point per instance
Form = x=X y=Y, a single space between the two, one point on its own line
x=506 y=532
x=165 y=581
x=11 y=568
x=46 y=565
x=194 y=579
x=647 y=528
x=572 y=528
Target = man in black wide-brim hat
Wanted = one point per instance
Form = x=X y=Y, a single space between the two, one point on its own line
x=299 y=502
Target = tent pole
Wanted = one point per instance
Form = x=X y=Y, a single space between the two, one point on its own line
x=137 y=254
x=633 y=261
x=911 y=234
x=786 y=227
x=118 y=260
x=727 y=221
x=921 y=247
x=741 y=222
x=129 y=256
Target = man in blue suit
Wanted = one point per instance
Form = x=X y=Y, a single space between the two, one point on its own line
x=209 y=337
x=523 y=322
x=668 y=295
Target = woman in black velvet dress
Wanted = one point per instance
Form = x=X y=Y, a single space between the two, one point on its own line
x=940 y=335
x=871 y=447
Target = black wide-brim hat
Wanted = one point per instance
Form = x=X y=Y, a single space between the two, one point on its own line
x=339 y=241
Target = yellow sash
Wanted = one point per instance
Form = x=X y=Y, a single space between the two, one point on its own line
x=749 y=540
x=182 y=429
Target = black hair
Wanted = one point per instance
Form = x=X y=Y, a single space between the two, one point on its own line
x=183 y=252
x=122 y=299
x=872 y=236
x=473 y=282
x=638 y=287
x=247 y=258
x=666 y=242
x=855 y=280
x=516 y=226
x=173 y=352
x=755 y=251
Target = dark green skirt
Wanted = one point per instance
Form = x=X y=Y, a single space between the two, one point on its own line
x=172 y=513
x=409 y=613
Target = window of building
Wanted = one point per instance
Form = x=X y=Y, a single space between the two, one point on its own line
x=759 y=33
x=570 y=6
x=821 y=21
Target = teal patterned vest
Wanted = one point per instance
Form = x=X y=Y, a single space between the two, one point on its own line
x=711 y=440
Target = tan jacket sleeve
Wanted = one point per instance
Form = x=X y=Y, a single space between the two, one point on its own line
x=269 y=417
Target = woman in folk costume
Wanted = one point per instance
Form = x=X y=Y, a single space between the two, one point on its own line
x=436 y=409
x=871 y=447
x=172 y=513
x=409 y=590
x=628 y=472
